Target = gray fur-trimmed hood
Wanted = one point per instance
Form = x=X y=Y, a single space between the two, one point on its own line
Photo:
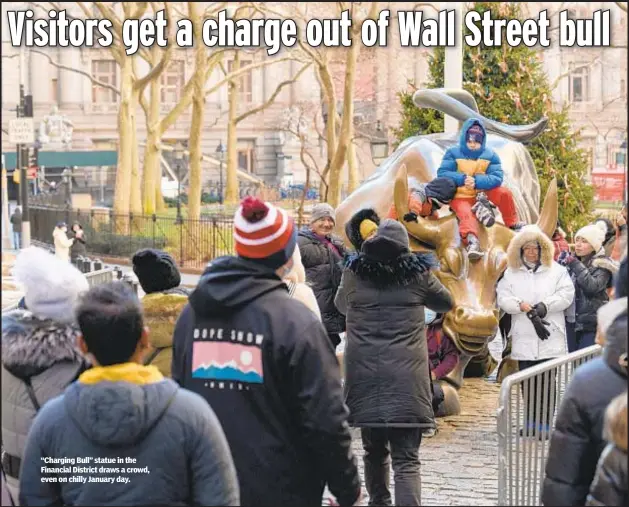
x=31 y=345
x=527 y=234
x=600 y=260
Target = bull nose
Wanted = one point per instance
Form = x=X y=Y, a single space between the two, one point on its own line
x=476 y=317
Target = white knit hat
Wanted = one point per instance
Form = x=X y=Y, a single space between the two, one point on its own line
x=51 y=285
x=594 y=234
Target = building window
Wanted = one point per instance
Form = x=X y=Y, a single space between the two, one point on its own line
x=245 y=82
x=54 y=90
x=245 y=159
x=172 y=81
x=580 y=85
x=104 y=71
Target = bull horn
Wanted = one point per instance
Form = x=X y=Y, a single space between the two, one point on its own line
x=463 y=96
x=449 y=103
x=420 y=230
x=549 y=213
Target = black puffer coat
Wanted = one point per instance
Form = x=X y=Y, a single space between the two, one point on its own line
x=323 y=274
x=577 y=441
x=591 y=276
x=387 y=379
x=611 y=484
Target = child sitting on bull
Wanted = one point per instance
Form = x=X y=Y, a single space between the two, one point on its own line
x=477 y=172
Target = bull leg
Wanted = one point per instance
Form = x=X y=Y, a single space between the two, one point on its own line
x=456 y=375
x=481 y=365
x=451 y=404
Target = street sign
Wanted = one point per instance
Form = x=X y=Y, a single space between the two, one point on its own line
x=21 y=131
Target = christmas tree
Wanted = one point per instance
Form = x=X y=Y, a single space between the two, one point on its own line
x=510 y=86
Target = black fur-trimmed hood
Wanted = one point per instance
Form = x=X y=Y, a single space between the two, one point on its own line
x=31 y=345
x=402 y=270
x=352 y=228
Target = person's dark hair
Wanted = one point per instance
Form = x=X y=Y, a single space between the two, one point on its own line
x=111 y=322
x=76 y=224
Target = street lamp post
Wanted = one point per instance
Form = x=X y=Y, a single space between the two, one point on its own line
x=220 y=149
x=453 y=64
x=379 y=145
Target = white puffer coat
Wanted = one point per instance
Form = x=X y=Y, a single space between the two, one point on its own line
x=549 y=284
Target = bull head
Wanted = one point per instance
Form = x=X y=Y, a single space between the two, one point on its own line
x=473 y=321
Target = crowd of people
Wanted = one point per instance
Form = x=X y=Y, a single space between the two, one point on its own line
x=232 y=393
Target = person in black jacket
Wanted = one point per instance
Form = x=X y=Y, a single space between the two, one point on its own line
x=387 y=387
x=577 y=442
x=78 y=248
x=322 y=255
x=592 y=274
x=264 y=363
x=611 y=483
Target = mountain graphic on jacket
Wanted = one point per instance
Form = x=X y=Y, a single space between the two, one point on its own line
x=223 y=360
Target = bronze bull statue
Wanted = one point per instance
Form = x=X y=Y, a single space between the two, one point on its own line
x=473 y=322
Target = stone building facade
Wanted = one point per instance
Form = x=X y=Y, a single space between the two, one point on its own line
x=594 y=81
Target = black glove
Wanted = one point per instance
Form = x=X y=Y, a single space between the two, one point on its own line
x=539 y=324
x=541 y=310
x=410 y=217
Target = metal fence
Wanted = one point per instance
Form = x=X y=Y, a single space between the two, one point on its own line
x=94 y=278
x=193 y=243
x=529 y=401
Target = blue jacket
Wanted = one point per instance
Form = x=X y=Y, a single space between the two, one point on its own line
x=451 y=166
x=169 y=431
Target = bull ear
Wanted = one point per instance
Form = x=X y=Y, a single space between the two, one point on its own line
x=549 y=213
x=400 y=191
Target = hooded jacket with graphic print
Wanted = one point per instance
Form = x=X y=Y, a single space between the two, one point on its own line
x=483 y=164
x=264 y=363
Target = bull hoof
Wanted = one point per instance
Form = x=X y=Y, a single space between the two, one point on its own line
x=507 y=367
x=451 y=404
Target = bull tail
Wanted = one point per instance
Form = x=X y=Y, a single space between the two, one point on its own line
x=457 y=104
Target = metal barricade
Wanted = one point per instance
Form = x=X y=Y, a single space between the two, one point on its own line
x=529 y=401
x=93 y=278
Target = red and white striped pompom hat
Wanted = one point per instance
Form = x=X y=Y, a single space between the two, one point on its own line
x=264 y=233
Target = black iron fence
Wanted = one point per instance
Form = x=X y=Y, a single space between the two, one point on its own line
x=191 y=242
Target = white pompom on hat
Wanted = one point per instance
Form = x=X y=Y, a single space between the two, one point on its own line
x=51 y=286
x=594 y=234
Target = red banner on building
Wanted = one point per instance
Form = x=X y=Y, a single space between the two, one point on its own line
x=609 y=185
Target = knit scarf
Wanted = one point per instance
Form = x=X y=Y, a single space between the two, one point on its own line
x=126 y=372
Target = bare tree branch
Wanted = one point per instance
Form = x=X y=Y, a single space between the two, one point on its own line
x=155 y=72
x=247 y=68
x=77 y=71
x=622 y=5
x=274 y=95
x=570 y=71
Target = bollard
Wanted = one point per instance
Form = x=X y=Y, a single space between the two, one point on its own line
x=98 y=265
x=118 y=272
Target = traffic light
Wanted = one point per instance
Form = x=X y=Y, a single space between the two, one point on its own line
x=28 y=106
x=16 y=176
x=33 y=165
x=33 y=155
